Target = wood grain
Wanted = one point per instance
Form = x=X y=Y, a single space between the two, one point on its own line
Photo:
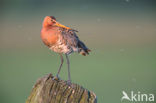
x=49 y=89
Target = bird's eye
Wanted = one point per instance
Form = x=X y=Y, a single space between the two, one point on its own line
x=53 y=21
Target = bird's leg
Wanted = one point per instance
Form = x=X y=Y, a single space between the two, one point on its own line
x=68 y=63
x=60 y=65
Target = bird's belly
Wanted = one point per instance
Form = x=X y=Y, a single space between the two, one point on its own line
x=63 y=48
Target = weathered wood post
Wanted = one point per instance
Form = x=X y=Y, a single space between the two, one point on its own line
x=52 y=90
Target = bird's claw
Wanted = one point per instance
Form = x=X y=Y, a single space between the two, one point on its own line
x=69 y=82
x=56 y=78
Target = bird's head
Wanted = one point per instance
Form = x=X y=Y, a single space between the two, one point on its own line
x=51 y=21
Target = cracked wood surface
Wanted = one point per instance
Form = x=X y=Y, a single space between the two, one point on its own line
x=49 y=89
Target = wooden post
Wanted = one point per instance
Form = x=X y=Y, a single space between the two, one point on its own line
x=52 y=90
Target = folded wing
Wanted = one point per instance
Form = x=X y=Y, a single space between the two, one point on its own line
x=73 y=42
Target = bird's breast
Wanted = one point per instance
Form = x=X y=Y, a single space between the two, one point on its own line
x=59 y=41
x=49 y=37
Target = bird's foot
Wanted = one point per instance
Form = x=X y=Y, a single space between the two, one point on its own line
x=69 y=83
x=56 y=78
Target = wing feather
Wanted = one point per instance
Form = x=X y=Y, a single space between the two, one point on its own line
x=73 y=41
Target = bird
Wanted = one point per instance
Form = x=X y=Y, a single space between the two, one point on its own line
x=62 y=40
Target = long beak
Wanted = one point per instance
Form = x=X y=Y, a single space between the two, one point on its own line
x=60 y=25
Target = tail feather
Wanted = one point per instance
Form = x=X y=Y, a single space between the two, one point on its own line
x=83 y=48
